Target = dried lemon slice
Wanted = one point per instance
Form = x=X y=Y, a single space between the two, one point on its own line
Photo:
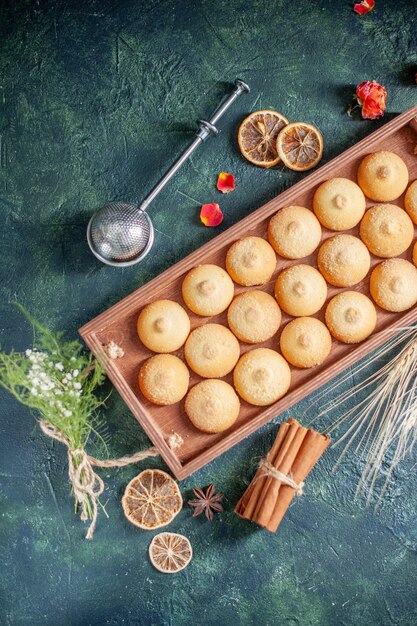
x=152 y=499
x=170 y=553
x=300 y=146
x=257 y=137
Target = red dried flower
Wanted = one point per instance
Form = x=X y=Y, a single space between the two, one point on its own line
x=211 y=214
x=225 y=182
x=364 y=7
x=371 y=97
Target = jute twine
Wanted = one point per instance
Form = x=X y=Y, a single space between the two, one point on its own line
x=269 y=470
x=88 y=486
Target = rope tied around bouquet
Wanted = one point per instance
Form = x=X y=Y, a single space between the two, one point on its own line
x=88 y=486
x=269 y=470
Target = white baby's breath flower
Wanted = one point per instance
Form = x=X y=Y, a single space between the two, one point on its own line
x=28 y=352
x=58 y=392
x=64 y=380
x=59 y=367
x=75 y=373
x=67 y=413
x=34 y=391
x=77 y=385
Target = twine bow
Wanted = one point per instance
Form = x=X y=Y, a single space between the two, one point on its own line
x=88 y=486
x=269 y=470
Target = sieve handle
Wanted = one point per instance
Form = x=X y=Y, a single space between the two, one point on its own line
x=206 y=128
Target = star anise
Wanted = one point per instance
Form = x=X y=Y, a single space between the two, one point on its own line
x=206 y=502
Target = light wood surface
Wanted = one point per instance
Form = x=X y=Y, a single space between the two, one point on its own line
x=119 y=322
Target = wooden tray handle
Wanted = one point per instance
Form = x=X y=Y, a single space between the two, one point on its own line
x=413 y=124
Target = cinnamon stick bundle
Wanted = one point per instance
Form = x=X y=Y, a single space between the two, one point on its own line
x=294 y=453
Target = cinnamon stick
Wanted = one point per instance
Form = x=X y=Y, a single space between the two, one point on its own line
x=251 y=496
x=294 y=453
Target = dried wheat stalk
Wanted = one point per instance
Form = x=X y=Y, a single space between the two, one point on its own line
x=383 y=425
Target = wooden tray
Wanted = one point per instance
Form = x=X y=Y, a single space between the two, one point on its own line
x=119 y=322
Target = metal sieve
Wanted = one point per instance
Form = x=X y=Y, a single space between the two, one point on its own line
x=121 y=233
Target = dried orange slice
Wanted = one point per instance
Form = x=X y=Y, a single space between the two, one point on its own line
x=152 y=499
x=300 y=146
x=257 y=137
x=170 y=552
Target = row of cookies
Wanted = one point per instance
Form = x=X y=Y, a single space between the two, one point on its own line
x=254 y=316
x=386 y=231
x=260 y=377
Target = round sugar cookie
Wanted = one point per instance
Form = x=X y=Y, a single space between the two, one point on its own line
x=212 y=406
x=207 y=290
x=410 y=201
x=350 y=317
x=386 y=230
x=164 y=379
x=393 y=285
x=163 y=326
x=383 y=176
x=305 y=342
x=251 y=261
x=262 y=376
x=254 y=316
x=343 y=260
x=294 y=232
x=339 y=204
x=211 y=351
x=300 y=290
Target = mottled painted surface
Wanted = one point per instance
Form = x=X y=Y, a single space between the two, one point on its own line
x=96 y=99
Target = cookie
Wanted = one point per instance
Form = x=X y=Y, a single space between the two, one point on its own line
x=207 y=290
x=339 y=204
x=254 y=316
x=294 y=232
x=251 y=261
x=410 y=201
x=350 y=317
x=262 y=376
x=211 y=351
x=163 y=326
x=343 y=260
x=212 y=406
x=300 y=290
x=415 y=254
x=383 y=176
x=305 y=342
x=393 y=285
x=386 y=230
x=164 y=379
